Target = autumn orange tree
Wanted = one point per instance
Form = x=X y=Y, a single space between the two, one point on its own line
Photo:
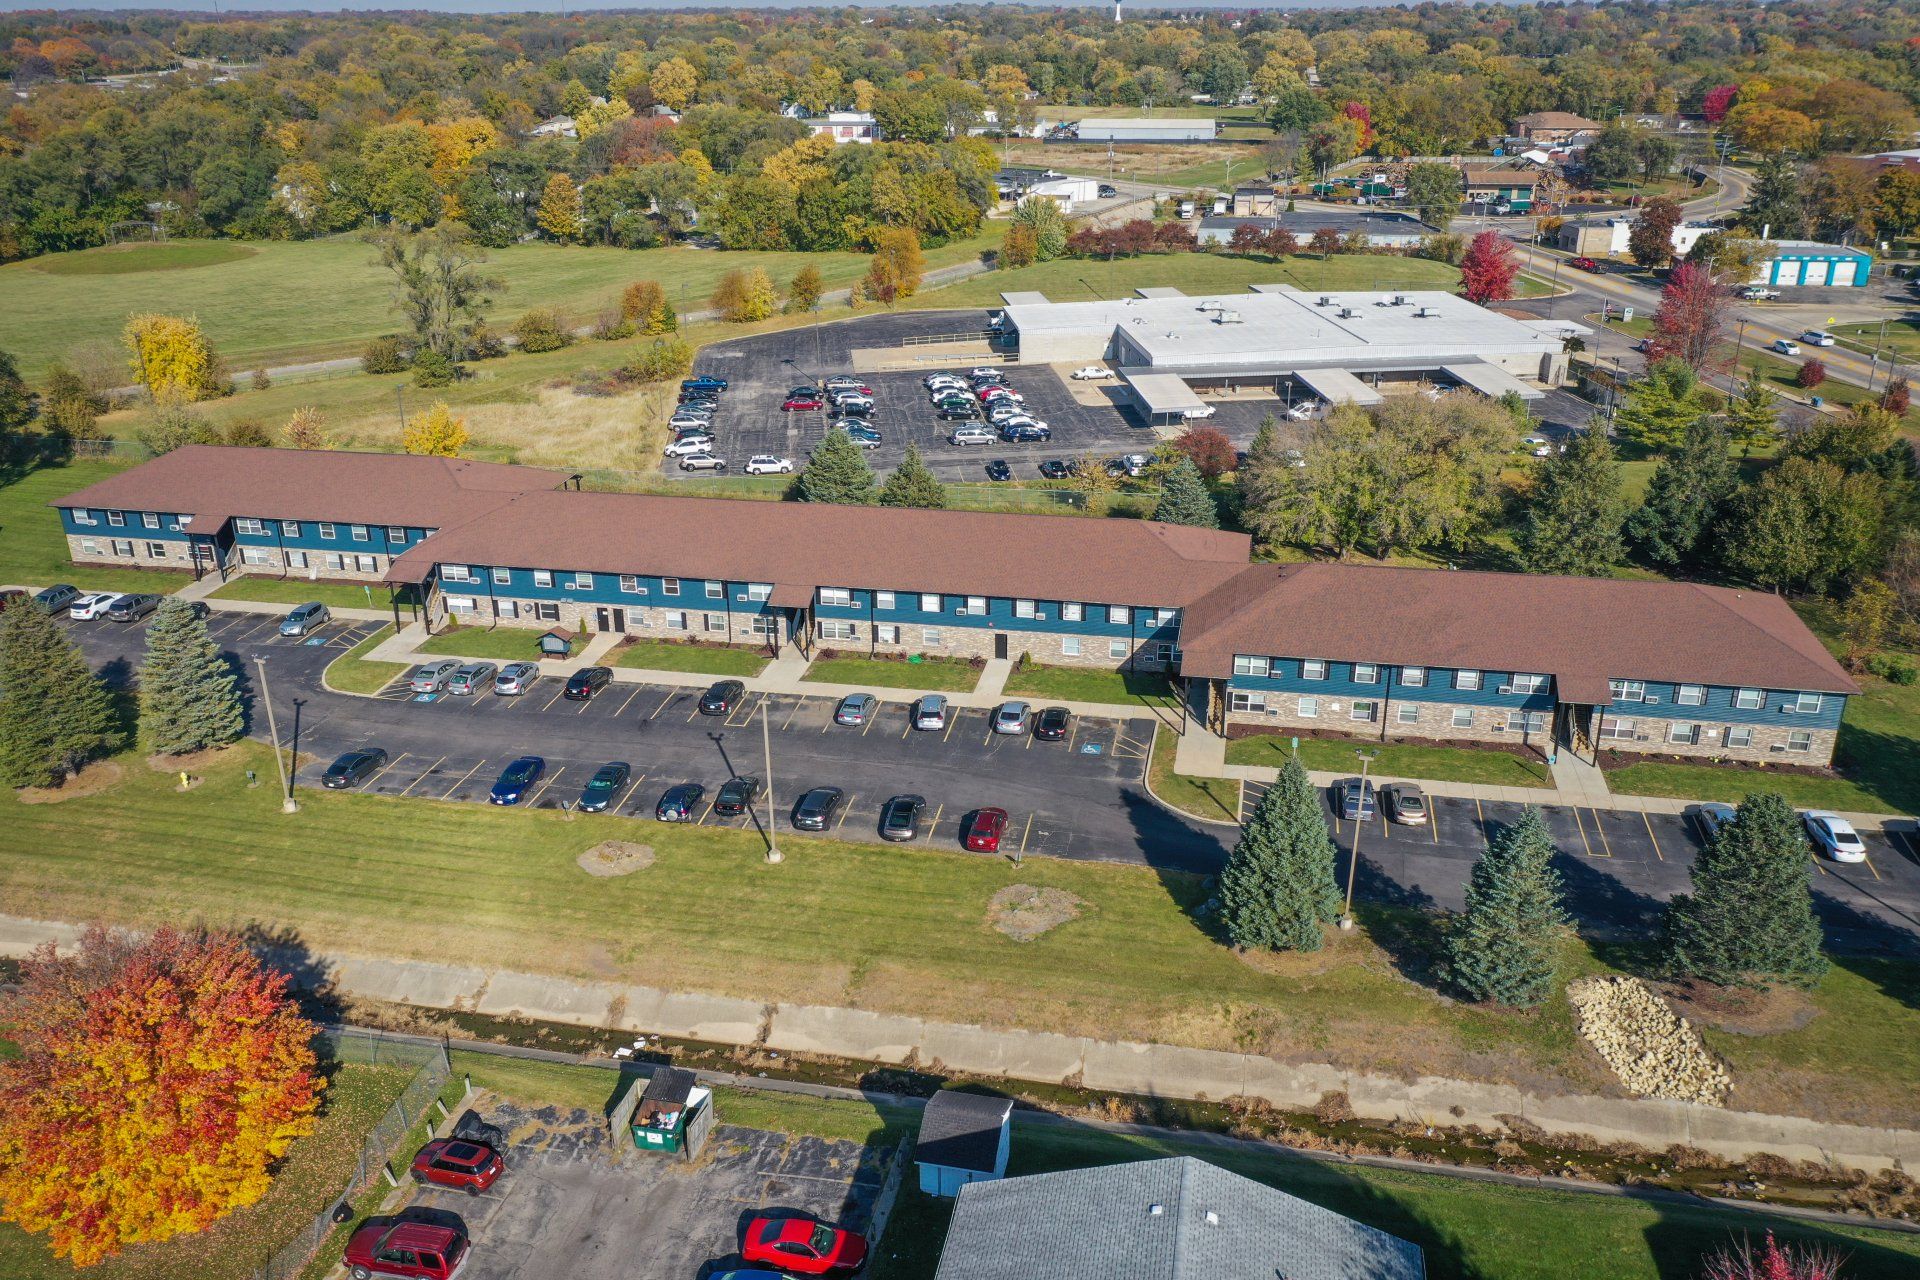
x=158 y=1081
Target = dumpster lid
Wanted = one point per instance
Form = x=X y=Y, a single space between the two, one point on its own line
x=671 y=1085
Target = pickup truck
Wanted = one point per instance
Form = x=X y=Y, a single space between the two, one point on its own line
x=1755 y=293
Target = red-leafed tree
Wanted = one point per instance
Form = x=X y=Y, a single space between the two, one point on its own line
x=1248 y=237
x=1487 y=272
x=1361 y=115
x=1210 y=449
x=1325 y=241
x=1651 y=240
x=1896 y=397
x=159 y=1079
x=1771 y=1261
x=1717 y=101
x=1811 y=374
x=1691 y=318
x=1281 y=242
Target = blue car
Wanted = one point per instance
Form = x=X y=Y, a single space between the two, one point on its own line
x=704 y=382
x=516 y=780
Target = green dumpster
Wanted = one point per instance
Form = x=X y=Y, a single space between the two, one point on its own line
x=674 y=1113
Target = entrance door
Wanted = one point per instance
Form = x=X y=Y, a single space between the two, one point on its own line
x=611 y=619
x=1000 y=645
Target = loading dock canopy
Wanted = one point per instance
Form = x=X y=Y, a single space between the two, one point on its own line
x=1338 y=386
x=1490 y=380
x=1162 y=393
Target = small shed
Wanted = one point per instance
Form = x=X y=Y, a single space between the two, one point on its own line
x=963 y=1138
x=557 y=643
x=674 y=1113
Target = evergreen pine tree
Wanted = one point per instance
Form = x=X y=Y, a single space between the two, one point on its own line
x=189 y=696
x=1749 y=921
x=1684 y=497
x=837 y=472
x=54 y=715
x=913 y=485
x=1576 y=510
x=1278 y=886
x=1752 y=420
x=1661 y=406
x=1184 y=498
x=1501 y=949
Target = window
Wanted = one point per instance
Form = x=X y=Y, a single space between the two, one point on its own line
x=759 y=592
x=1070 y=646
x=883 y=600
x=122 y=547
x=1413 y=677
x=367 y=564
x=1117 y=614
x=1365 y=673
x=675 y=620
x=1362 y=711
x=932 y=637
x=502 y=577
x=506 y=608
x=670 y=586
x=1617 y=729
x=546 y=611
x=1690 y=695
x=295 y=559
x=151 y=520
x=630 y=584
x=887 y=633
x=1309 y=708
x=459 y=604
x=1739 y=736
x=326 y=531
x=1687 y=734
x=1071 y=611
x=1463 y=717
x=1527 y=721
x=543 y=577
x=716 y=622
x=929 y=602
x=1806 y=704
x=1628 y=690
x=83 y=516
x=1116 y=648
x=1749 y=699
x=1244 y=701
x=1165 y=617
x=1025 y=609
x=1246 y=664
x=836 y=598
x=835 y=629
x=1163 y=652
x=396 y=534
x=334 y=562
x=1466 y=679
x=89 y=547
x=359 y=533
x=1313 y=669
x=245 y=524
x=157 y=550
x=977 y=606
x=1409 y=713
x=1524 y=683
x=249 y=555
x=118 y=519
x=457 y=573
x=1800 y=740
x=581 y=581
x=766 y=624
x=716 y=590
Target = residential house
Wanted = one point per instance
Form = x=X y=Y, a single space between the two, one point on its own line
x=845 y=126
x=1555 y=128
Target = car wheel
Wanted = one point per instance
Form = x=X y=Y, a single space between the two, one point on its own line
x=361 y=1273
x=472 y=1190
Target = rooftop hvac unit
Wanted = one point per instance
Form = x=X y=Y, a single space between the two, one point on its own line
x=1230 y=317
x=1399 y=299
x=1423 y=313
x=1326 y=300
x=1346 y=313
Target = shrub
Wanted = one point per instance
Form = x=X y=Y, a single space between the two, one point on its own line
x=1896 y=668
x=431 y=369
x=260 y=380
x=661 y=359
x=1811 y=374
x=384 y=355
x=611 y=327
x=484 y=344
x=541 y=330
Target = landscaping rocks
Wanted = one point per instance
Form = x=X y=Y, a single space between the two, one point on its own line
x=616 y=858
x=1023 y=912
x=1655 y=1052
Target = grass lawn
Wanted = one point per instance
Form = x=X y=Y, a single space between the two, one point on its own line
x=33 y=547
x=710 y=659
x=313 y=1173
x=939 y=675
x=352 y=673
x=335 y=594
x=506 y=644
x=1082 y=684
x=1080 y=280
x=1215 y=799
x=1398 y=760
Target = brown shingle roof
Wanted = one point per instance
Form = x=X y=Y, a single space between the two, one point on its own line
x=809 y=544
x=1555 y=120
x=212 y=483
x=1582 y=631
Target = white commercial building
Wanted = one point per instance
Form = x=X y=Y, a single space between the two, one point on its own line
x=1066 y=192
x=1145 y=130
x=845 y=126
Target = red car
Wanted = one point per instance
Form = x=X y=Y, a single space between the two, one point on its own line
x=984 y=832
x=454 y=1162
x=796 y=403
x=409 y=1250
x=1585 y=264
x=802 y=1246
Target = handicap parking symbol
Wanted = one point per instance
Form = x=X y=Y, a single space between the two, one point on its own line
x=1092 y=748
x=424 y=697
x=313 y=640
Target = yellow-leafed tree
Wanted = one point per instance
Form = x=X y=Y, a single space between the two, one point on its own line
x=173 y=359
x=435 y=433
x=559 y=214
x=673 y=83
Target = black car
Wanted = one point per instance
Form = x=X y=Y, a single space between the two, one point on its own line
x=1051 y=724
x=132 y=608
x=680 y=803
x=353 y=768
x=956 y=412
x=723 y=696
x=1106 y=192
x=854 y=409
x=1024 y=434
x=736 y=794
x=999 y=470
x=602 y=789
x=900 y=820
x=587 y=681
x=1054 y=469
x=55 y=599
x=805 y=389
x=816 y=810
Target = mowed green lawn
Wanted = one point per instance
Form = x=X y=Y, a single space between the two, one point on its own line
x=295 y=590
x=33 y=548
x=504 y=644
x=938 y=675
x=1090 y=684
x=707 y=659
x=1395 y=760
x=1082 y=279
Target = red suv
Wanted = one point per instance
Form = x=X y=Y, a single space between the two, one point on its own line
x=984 y=832
x=803 y=1247
x=409 y=1250
x=454 y=1162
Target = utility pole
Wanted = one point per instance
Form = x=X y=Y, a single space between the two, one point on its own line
x=1353 y=866
x=400 y=398
x=287 y=803
x=766 y=742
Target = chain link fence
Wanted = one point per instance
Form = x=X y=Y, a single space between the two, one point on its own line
x=367 y=1048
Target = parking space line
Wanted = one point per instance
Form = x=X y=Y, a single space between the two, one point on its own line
x=663 y=702
x=1901 y=842
x=1600 y=830
x=463 y=780
x=383 y=769
x=871 y=720
x=556 y=696
x=1582 y=828
x=1074 y=734
x=1433 y=821
x=1656 y=839
x=1025 y=832
x=797 y=704
x=935 y=824
x=1868 y=859
x=631 y=788
x=1480 y=815
x=709 y=809
x=1815 y=859
x=846 y=811
x=535 y=797
x=952 y=724
x=430 y=768
x=630 y=697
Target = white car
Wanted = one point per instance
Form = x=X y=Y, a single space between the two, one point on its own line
x=1200 y=411
x=1818 y=338
x=1304 y=410
x=1091 y=373
x=765 y=464
x=1834 y=836
x=702 y=462
x=984 y=371
x=1026 y=420
x=92 y=605
x=999 y=413
x=1786 y=346
x=687 y=446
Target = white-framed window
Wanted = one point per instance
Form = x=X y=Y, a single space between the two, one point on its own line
x=459 y=604
x=118 y=520
x=1681 y=732
x=1690 y=695
x=367 y=564
x=1413 y=677
x=543 y=577
x=1466 y=679
x=1249 y=664
x=1463 y=717
x=929 y=602
x=765 y=624
x=1365 y=673
x=581 y=581
x=759 y=592
x=334 y=562
x=1117 y=614
x=253 y=555
x=1739 y=736
x=1807 y=704
x=1165 y=617
x=1616 y=728
x=89 y=547
x=1749 y=699
x=123 y=547
x=1072 y=611
x=396 y=534
x=247 y=525
x=669 y=586
x=887 y=633
x=502 y=577
x=1163 y=651
x=327 y=530
x=295 y=559
x=675 y=620
x=1025 y=609
x=360 y=533
x=1628 y=690
x=1116 y=648
x=1309 y=708
x=1408 y=713
x=883 y=600
x=289 y=527
x=716 y=591
x=151 y=520
x=1523 y=682
x=976 y=606
x=838 y=629
x=457 y=573
x=933 y=637
x=156 y=551
x=1070 y=646
x=506 y=608
x=1800 y=740
x=836 y=598
x=630 y=584
x=715 y=622
x=1313 y=669
x=1362 y=711
x=546 y=611
x=1242 y=700
x=1527 y=721
x=83 y=516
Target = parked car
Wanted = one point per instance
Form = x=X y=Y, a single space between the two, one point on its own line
x=984 y=829
x=1712 y=817
x=432 y=677
x=1353 y=797
x=702 y=462
x=57 y=597
x=352 y=768
x=603 y=788
x=1834 y=836
x=1198 y=411
x=999 y=470
x=969 y=435
x=1106 y=192
x=92 y=605
x=930 y=712
x=860 y=433
x=407 y=1248
x=852 y=401
x=735 y=795
x=1091 y=373
x=516 y=780
x=586 y=682
x=1132 y=465
x=1010 y=717
x=984 y=371
x=704 y=382
x=303 y=618
x=1818 y=338
x=801 y=402
x=767 y=464
x=1000 y=413
x=1028 y=432
x=721 y=697
x=472 y=678
x=847 y=382
x=1785 y=347
x=1405 y=804
x=900 y=818
x=1586 y=264
x=685 y=427
x=1304 y=411
x=132 y=608
x=934 y=381
x=1051 y=724
x=1759 y=293
x=996 y=391
x=687 y=446
x=816 y=810
x=956 y=413
x=856 y=709
x=455 y=1162
x=1055 y=469
x=803 y=1246
x=680 y=802
x=516 y=678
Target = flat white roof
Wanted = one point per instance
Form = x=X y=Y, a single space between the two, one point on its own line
x=1142 y=123
x=1489 y=380
x=1163 y=392
x=1159 y=291
x=1339 y=386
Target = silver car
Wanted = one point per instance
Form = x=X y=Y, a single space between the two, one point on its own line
x=1010 y=717
x=856 y=709
x=304 y=618
x=515 y=678
x=930 y=712
x=472 y=678
x=432 y=677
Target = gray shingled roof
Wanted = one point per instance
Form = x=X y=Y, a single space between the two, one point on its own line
x=962 y=1130
x=1173 y=1219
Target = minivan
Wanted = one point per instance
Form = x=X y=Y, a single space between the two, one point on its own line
x=970 y=435
x=304 y=618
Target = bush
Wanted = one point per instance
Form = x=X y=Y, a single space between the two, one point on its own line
x=484 y=344
x=431 y=369
x=660 y=360
x=1895 y=668
x=260 y=380
x=1811 y=374
x=541 y=330
x=384 y=355
x=611 y=327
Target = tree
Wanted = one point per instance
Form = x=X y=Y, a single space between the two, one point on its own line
x=1749 y=921
x=745 y=295
x=1277 y=890
x=435 y=433
x=1811 y=374
x=644 y=305
x=1896 y=397
x=173 y=424
x=1691 y=318
x=542 y=329
x=438 y=286
x=1661 y=406
x=1488 y=270
x=1501 y=949
x=1651 y=239
x=1753 y=421
x=1730 y=257
x=1775 y=208
x=912 y=484
x=897 y=266
x=189 y=694
x=804 y=290
x=305 y=429
x=1610 y=156
x=70 y=405
x=1433 y=191
x=172 y=357
x=158 y=1082
x=837 y=472
x=1019 y=247
x=1209 y=448
x=1655 y=154
x=1575 y=512
x=1184 y=498
x=673 y=82
x=1866 y=621
x=1684 y=497
x=1772 y=1261
x=16 y=402
x=54 y=714
x=560 y=209
x=1804 y=525
x=1048 y=224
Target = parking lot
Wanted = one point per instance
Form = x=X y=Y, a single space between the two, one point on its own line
x=567 y=1209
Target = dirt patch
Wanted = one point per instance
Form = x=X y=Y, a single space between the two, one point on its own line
x=1023 y=912
x=1743 y=1013
x=616 y=858
x=102 y=775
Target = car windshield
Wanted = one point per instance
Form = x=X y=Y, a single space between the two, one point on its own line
x=518 y=771
x=1413 y=804
x=600 y=782
x=821 y=1239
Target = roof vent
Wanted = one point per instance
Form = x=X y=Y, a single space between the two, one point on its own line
x=1326 y=300
x=1346 y=313
x=1423 y=312
x=1213 y=1219
x=1399 y=299
x=1156 y=1210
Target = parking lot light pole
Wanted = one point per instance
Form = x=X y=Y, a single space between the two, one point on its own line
x=1353 y=867
x=287 y=802
x=766 y=742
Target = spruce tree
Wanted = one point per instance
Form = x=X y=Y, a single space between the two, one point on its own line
x=1661 y=406
x=837 y=472
x=189 y=695
x=1501 y=948
x=1278 y=889
x=54 y=714
x=1749 y=921
x=1184 y=498
x=913 y=485
x=1684 y=497
x=1575 y=512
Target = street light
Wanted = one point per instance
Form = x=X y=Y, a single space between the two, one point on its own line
x=287 y=803
x=1353 y=867
x=766 y=742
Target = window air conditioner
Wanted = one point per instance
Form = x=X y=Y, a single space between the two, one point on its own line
x=1652 y=699
x=1506 y=688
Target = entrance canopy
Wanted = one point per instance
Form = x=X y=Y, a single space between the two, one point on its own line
x=1338 y=386
x=791 y=595
x=1163 y=394
x=1490 y=380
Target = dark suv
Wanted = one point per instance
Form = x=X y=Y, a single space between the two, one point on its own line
x=587 y=681
x=722 y=697
x=132 y=608
x=735 y=795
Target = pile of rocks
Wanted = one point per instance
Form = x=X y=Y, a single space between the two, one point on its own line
x=1655 y=1052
